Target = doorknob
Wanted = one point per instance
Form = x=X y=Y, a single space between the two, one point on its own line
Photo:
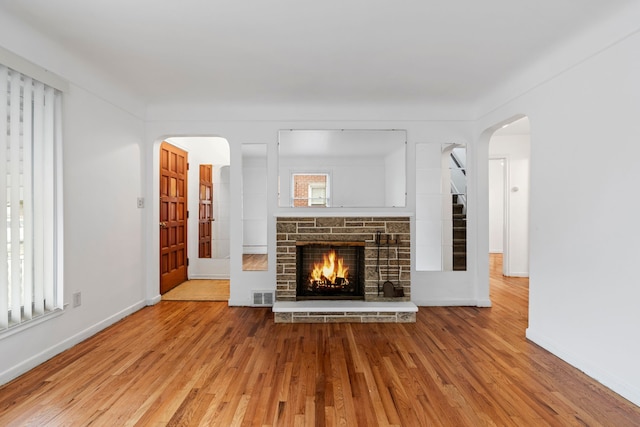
x=163 y=225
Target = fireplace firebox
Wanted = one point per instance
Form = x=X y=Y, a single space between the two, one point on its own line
x=329 y=270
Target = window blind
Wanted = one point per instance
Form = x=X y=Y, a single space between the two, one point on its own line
x=29 y=145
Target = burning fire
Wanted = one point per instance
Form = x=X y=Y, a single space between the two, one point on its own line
x=331 y=271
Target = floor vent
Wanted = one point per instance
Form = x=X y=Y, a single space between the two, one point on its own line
x=262 y=298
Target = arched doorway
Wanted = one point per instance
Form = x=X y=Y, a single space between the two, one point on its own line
x=203 y=193
x=509 y=165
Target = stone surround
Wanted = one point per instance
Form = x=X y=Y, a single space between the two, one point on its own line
x=347 y=229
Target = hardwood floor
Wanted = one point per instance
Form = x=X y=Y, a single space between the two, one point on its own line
x=203 y=363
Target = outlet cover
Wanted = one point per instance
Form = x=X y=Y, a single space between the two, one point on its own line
x=77 y=299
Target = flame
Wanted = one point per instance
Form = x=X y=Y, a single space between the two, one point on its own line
x=328 y=270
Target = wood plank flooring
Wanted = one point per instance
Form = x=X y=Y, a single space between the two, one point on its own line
x=203 y=363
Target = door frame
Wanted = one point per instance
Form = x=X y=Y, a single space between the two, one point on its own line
x=150 y=216
x=505 y=213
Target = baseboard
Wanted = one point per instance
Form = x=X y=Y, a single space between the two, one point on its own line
x=483 y=303
x=616 y=384
x=239 y=303
x=50 y=352
x=516 y=274
x=209 y=277
x=452 y=303
x=154 y=300
x=254 y=250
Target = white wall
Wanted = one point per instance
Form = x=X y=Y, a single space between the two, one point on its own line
x=395 y=178
x=583 y=253
x=104 y=248
x=429 y=213
x=255 y=205
x=515 y=150
x=429 y=288
x=496 y=204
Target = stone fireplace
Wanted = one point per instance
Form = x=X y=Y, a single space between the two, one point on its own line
x=385 y=247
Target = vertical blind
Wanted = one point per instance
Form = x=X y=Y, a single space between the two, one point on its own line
x=29 y=145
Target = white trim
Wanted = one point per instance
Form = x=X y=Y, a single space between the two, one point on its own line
x=506 y=208
x=31 y=323
x=28 y=68
x=238 y=302
x=506 y=216
x=255 y=249
x=209 y=277
x=485 y=303
x=518 y=274
x=154 y=300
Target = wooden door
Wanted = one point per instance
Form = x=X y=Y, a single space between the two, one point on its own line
x=173 y=216
x=205 y=211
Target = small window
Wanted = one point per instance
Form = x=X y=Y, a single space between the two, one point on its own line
x=310 y=190
x=318 y=194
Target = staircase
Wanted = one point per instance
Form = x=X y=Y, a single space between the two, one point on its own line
x=459 y=235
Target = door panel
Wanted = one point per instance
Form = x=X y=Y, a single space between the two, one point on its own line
x=205 y=211
x=173 y=215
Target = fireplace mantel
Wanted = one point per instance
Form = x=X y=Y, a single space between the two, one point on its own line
x=327 y=212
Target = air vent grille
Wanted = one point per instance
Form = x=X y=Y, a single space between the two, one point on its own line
x=262 y=298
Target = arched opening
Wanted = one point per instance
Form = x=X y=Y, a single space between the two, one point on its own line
x=508 y=188
x=194 y=216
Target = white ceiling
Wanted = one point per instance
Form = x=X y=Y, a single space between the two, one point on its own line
x=303 y=51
